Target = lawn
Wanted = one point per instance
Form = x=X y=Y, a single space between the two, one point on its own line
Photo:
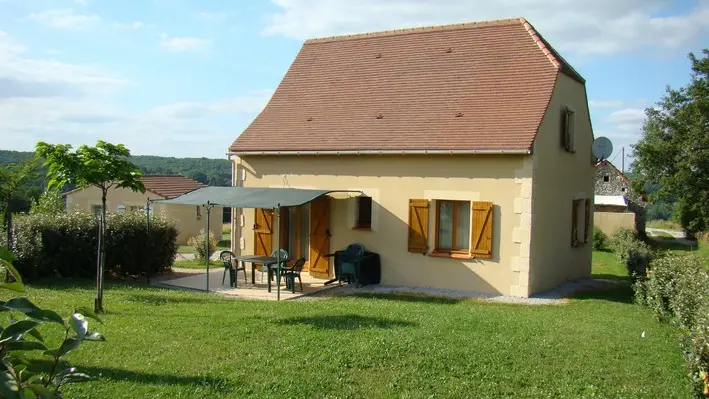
x=223 y=244
x=196 y=263
x=664 y=224
x=177 y=344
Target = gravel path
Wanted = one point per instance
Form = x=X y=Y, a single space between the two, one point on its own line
x=679 y=236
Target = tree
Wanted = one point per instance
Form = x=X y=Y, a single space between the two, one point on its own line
x=50 y=202
x=12 y=178
x=103 y=166
x=673 y=152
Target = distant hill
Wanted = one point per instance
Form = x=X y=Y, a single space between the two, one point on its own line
x=214 y=172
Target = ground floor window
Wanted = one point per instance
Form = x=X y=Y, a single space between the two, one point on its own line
x=96 y=210
x=580 y=221
x=452 y=226
x=364 y=213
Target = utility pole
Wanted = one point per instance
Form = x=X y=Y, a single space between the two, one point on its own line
x=622 y=168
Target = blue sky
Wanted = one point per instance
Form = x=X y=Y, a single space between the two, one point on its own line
x=184 y=78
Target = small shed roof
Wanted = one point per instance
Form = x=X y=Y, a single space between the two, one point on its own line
x=615 y=200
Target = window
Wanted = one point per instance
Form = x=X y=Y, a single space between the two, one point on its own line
x=606 y=178
x=96 y=210
x=580 y=221
x=121 y=209
x=452 y=226
x=296 y=222
x=135 y=208
x=364 y=213
x=567 y=130
x=199 y=212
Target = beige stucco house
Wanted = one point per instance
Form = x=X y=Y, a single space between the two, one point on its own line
x=190 y=219
x=471 y=143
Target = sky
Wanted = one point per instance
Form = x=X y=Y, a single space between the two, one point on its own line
x=183 y=78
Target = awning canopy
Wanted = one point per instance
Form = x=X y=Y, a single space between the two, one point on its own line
x=247 y=197
x=614 y=200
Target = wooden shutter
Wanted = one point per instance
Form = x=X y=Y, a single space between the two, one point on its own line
x=263 y=231
x=418 y=226
x=481 y=230
x=587 y=220
x=320 y=237
x=574 y=223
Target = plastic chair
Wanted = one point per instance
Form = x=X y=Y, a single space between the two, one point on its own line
x=226 y=257
x=293 y=272
x=349 y=261
x=269 y=268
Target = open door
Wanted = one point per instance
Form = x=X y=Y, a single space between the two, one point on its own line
x=263 y=231
x=320 y=237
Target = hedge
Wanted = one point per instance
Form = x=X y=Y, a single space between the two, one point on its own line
x=635 y=254
x=65 y=245
x=676 y=290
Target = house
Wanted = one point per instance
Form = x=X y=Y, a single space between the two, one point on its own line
x=617 y=205
x=471 y=144
x=190 y=219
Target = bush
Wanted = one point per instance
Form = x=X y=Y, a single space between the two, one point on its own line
x=599 y=239
x=197 y=243
x=633 y=253
x=65 y=245
x=676 y=291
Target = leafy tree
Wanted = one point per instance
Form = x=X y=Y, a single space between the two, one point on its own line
x=673 y=152
x=103 y=166
x=19 y=377
x=12 y=178
x=50 y=202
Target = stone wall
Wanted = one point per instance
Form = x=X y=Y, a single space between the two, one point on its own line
x=610 y=181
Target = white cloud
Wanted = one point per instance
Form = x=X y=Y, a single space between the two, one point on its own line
x=598 y=27
x=183 y=44
x=65 y=19
x=250 y=104
x=22 y=76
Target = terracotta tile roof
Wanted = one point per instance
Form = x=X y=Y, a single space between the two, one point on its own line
x=475 y=86
x=169 y=186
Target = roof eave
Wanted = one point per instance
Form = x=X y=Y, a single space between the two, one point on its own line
x=525 y=151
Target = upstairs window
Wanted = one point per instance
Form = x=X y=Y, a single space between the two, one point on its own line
x=199 y=212
x=567 y=129
x=606 y=178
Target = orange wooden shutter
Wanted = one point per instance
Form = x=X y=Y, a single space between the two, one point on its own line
x=320 y=237
x=418 y=226
x=263 y=229
x=481 y=231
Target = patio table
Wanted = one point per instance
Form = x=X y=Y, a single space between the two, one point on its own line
x=268 y=261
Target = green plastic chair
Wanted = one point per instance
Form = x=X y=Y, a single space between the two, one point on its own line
x=293 y=272
x=269 y=269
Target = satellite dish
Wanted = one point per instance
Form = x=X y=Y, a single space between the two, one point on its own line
x=602 y=148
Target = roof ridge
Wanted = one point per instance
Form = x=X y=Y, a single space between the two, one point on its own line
x=420 y=29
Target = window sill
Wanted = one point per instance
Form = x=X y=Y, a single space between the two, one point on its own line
x=362 y=228
x=450 y=255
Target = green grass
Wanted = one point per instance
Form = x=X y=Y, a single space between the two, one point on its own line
x=177 y=344
x=606 y=265
x=664 y=224
x=195 y=263
x=662 y=234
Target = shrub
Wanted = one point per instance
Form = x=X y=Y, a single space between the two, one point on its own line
x=65 y=244
x=197 y=243
x=633 y=253
x=599 y=239
x=22 y=374
x=676 y=291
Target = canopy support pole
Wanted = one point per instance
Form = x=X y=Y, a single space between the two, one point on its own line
x=278 y=252
x=206 y=241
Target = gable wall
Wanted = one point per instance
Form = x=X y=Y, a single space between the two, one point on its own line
x=559 y=178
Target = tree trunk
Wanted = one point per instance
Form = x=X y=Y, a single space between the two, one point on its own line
x=101 y=255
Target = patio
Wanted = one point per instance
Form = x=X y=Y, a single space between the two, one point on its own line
x=195 y=279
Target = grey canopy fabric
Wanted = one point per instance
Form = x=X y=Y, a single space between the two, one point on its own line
x=245 y=197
